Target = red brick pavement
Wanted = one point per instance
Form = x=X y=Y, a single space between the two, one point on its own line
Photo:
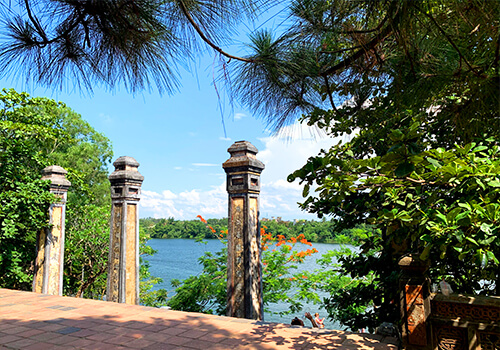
x=31 y=321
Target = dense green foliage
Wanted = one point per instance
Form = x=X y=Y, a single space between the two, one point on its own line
x=416 y=84
x=34 y=133
x=24 y=198
x=314 y=231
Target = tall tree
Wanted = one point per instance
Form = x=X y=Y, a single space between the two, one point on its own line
x=417 y=85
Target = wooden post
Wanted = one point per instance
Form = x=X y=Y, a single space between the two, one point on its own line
x=123 y=265
x=49 y=262
x=244 y=271
x=415 y=303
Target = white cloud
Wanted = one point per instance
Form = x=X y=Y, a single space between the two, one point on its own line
x=185 y=205
x=169 y=194
x=281 y=155
x=205 y=164
x=225 y=138
x=239 y=116
x=178 y=168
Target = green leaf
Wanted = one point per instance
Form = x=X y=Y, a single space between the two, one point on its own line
x=451 y=216
x=479 y=148
x=305 y=191
x=425 y=253
x=434 y=162
x=472 y=240
x=396 y=135
x=404 y=169
x=494 y=183
x=486 y=228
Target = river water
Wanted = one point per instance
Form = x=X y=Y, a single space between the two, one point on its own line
x=178 y=259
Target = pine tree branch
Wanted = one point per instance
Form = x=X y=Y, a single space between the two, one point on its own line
x=377 y=28
x=329 y=92
x=41 y=32
x=384 y=33
x=433 y=20
x=205 y=38
x=35 y=21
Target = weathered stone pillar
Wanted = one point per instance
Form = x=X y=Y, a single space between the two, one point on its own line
x=49 y=262
x=244 y=271
x=123 y=264
x=415 y=303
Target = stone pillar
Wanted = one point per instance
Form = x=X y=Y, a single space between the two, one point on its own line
x=244 y=271
x=415 y=303
x=123 y=264
x=49 y=262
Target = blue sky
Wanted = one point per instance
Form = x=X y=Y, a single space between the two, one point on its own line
x=180 y=142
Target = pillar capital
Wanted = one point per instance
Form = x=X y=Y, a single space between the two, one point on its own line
x=243 y=157
x=57 y=177
x=126 y=179
x=243 y=169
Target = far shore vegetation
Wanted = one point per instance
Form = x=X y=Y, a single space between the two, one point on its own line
x=315 y=231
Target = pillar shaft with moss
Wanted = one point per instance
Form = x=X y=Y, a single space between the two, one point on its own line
x=244 y=271
x=49 y=262
x=123 y=265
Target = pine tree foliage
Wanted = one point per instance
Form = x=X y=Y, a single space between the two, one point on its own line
x=138 y=43
x=344 y=55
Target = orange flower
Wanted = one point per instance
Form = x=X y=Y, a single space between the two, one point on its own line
x=201 y=218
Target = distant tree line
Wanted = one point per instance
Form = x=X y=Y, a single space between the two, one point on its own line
x=314 y=231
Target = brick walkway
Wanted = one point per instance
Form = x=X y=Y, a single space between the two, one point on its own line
x=32 y=321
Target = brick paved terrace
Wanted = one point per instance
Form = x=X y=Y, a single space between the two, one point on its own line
x=32 y=321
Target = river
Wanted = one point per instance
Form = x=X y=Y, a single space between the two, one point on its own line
x=178 y=259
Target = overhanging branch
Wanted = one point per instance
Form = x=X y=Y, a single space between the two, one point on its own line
x=205 y=38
